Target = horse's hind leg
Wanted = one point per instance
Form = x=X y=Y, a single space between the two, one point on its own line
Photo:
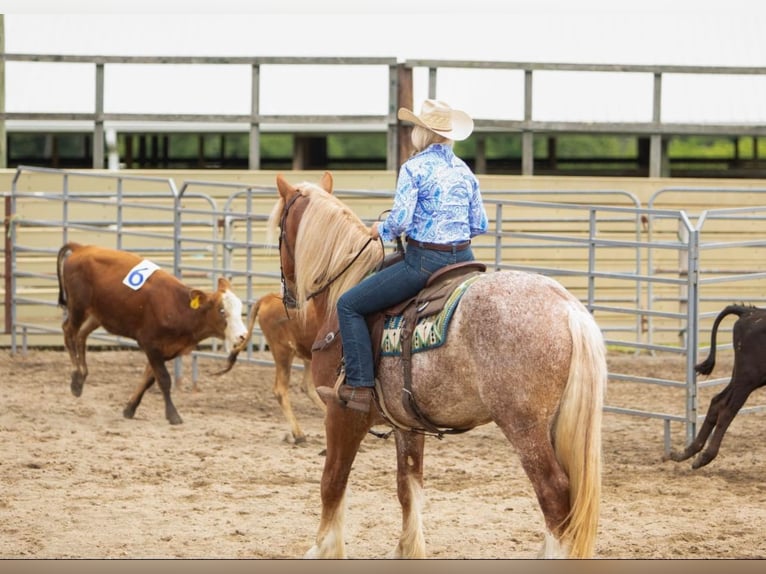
x=726 y=414
x=711 y=417
x=409 y=483
x=283 y=361
x=548 y=478
x=344 y=430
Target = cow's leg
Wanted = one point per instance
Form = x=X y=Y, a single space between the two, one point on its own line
x=409 y=484
x=283 y=360
x=78 y=342
x=164 y=380
x=726 y=413
x=69 y=327
x=307 y=385
x=155 y=370
x=147 y=380
x=344 y=431
x=711 y=419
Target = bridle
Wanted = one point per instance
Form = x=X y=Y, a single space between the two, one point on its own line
x=288 y=297
x=338 y=275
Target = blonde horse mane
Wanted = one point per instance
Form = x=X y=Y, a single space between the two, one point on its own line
x=329 y=238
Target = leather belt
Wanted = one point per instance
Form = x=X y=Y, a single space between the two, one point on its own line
x=462 y=246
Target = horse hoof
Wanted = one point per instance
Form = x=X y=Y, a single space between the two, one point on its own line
x=701 y=461
x=76 y=384
x=675 y=456
x=128 y=412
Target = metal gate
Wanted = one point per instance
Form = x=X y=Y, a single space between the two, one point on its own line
x=650 y=276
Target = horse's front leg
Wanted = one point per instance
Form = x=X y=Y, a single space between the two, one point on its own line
x=409 y=483
x=344 y=431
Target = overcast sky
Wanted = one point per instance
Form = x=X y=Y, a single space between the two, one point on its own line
x=699 y=32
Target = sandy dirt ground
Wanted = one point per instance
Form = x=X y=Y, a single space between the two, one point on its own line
x=80 y=481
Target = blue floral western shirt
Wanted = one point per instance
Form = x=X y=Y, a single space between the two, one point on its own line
x=437 y=199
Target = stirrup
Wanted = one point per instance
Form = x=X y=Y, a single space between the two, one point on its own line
x=355 y=400
x=328 y=393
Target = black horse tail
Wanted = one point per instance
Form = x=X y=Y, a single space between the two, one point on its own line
x=706 y=366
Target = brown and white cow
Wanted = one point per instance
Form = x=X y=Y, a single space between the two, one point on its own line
x=130 y=297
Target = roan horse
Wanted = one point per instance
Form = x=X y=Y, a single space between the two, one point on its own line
x=521 y=351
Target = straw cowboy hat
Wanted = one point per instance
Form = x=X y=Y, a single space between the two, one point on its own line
x=440 y=118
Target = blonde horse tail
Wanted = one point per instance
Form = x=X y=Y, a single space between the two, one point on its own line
x=577 y=433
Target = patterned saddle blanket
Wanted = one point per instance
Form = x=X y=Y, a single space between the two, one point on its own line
x=430 y=331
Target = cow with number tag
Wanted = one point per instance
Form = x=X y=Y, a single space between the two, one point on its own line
x=132 y=297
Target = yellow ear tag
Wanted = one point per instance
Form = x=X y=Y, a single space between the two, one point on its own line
x=194 y=303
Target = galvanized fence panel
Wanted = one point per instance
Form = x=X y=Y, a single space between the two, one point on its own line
x=640 y=270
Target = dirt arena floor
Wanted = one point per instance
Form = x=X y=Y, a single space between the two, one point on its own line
x=80 y=481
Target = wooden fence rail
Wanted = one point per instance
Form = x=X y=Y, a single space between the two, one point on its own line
x=400 y=89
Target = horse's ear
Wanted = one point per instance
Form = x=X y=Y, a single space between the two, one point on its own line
x=285 y=189
x=326 y=182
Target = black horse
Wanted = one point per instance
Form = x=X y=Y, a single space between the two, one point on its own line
x=748 y=374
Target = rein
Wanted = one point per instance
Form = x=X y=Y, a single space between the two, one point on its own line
x=342 y=271
x=288 y=297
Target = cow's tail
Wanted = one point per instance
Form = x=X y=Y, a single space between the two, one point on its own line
x=64 y=252
x=706 y=366
x=232 y=358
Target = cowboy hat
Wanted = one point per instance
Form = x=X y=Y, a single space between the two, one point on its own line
x=440 y=118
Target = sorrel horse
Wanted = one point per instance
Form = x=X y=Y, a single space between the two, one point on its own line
x=288 y=334
x=522 y=352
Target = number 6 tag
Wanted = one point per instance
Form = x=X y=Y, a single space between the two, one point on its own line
x=137 y=276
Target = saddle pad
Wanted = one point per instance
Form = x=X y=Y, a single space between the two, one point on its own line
x=430 y=332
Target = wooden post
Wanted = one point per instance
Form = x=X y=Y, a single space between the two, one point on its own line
x=254 y=159
x=98 y=128
x=3 y=133
x=656 y=146
x=480 y=166
x=552 y=153
x=129 y=151
x=527 y=137
x=309 y=151
x=404 y=100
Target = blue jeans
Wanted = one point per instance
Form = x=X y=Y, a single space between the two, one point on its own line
x=379 y=291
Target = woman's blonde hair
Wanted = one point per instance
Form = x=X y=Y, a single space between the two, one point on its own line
x=422 y=138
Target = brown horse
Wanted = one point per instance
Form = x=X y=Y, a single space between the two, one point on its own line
x=288 y=335
x=522 y=352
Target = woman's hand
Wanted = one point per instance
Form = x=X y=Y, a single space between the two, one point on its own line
x=374 y=230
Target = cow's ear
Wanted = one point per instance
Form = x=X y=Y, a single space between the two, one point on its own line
x=326 y=182
x=197 y=298
x=223 y=284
